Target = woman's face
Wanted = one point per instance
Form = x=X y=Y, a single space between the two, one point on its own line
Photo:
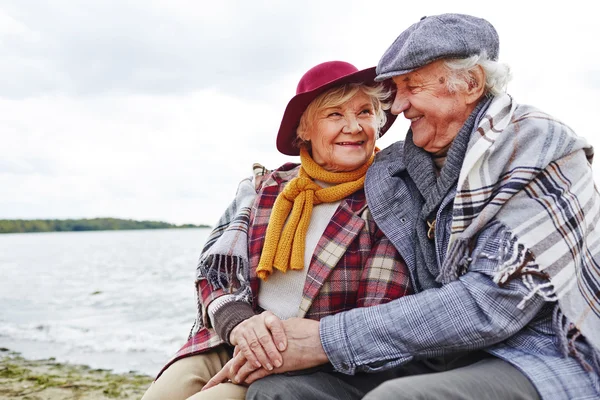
x=343 y=137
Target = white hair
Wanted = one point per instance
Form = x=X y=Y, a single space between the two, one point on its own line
x=497 y=74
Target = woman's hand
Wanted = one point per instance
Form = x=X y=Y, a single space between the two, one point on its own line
x=231 y=371
x=256 y=339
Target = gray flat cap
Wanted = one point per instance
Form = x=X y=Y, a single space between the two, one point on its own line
x=436 y=37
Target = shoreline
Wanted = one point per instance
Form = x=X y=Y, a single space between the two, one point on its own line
x=47 y=379
x=85 y=224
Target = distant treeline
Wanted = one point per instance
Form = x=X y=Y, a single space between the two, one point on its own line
x=74 y=225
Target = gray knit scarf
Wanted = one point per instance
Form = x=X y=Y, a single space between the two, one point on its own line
x=429 y=190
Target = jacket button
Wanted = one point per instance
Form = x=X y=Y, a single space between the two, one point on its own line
x=345 y=366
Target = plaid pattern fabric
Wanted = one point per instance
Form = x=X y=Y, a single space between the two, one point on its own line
x=225 y=253
x=223 y=263
x=354 y=264
x=472 y=311
x=545 y=194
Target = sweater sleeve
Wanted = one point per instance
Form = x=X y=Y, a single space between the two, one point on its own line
x=228 y=316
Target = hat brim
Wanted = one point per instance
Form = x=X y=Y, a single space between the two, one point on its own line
x=389 y=75
x=286 y=137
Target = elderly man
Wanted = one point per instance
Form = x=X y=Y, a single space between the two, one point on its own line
x=493 y=206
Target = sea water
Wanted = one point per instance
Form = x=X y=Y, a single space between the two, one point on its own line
x=118 y=300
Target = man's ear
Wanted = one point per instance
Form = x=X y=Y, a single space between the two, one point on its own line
x=476 y=85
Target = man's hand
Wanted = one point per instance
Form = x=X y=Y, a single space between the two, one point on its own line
x=304 y=350
x=256 y=338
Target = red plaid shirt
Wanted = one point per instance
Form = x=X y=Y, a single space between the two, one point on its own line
x=354 y=264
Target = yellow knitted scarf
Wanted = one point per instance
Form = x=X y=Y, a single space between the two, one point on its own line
x=284 y=247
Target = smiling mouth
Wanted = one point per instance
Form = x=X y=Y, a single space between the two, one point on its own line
x=360 y=143
x=415 y=119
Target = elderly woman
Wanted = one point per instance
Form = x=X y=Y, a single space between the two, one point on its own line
x=494 y=208
x=296 y=242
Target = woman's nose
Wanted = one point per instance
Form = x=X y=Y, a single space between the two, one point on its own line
x=351 y=125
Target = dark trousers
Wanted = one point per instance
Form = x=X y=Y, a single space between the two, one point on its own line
x=473 y=377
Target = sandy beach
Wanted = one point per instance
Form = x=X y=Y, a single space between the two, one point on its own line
x=48 y=380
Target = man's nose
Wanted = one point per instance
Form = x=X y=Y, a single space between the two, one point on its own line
x=400 y=104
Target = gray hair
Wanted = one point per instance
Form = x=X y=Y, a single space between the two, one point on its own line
x=497 y=74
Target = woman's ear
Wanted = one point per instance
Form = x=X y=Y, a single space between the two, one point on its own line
x=476 y=85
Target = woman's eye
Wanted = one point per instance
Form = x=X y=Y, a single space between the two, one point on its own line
x=334 y=114
x=367 y=111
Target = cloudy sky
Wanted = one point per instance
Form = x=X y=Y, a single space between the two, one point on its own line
x=155 y=109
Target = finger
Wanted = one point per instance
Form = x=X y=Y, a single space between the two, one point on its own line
x=245 y=370
x=220 y=377
x=266 y=341
x=275 y=325
x=255 y=346
x=245 y=349
x=256 y=375
x=236 y=363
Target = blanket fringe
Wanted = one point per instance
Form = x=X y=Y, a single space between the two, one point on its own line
x=243 y=276
x=567 y=334
x=520 y=263
x=560 y=329
x=199 y=321
x=596 y=360
x=513 y=254
x=219 y=270
x=456 y=263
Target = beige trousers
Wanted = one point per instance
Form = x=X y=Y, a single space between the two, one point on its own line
x=184 y=379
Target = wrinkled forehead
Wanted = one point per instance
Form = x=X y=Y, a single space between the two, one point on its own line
x=430 y=73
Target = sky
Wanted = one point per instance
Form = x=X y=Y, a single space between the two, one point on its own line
x=156 y=109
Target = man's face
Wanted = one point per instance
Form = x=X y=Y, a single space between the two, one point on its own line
x=436 y=115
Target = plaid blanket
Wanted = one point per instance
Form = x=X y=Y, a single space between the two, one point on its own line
x=224 y=257
x=533 y=174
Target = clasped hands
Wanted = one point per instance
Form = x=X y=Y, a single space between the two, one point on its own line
x=266 y=345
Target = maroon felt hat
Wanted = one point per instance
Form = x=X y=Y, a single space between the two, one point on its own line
x=316 y=81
